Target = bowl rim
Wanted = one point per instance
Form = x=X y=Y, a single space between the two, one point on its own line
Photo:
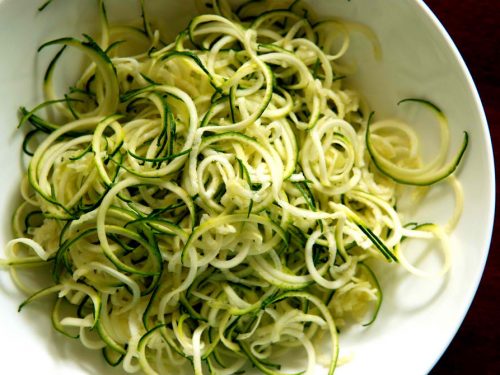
x=490 y=214
x=490 y=167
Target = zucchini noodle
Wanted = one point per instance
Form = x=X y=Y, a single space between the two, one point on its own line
x=217 y=201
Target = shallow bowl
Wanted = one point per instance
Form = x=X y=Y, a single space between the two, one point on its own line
x=419 y=317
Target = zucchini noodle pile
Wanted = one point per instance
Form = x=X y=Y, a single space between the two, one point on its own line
x=212 y=203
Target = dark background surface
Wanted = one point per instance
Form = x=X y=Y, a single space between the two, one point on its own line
x=474 y=26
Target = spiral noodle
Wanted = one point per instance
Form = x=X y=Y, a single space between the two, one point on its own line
x=211 y=203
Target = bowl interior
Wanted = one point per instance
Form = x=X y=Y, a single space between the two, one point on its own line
x=419 y=317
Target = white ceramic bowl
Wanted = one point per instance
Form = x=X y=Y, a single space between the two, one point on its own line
x=419 y=317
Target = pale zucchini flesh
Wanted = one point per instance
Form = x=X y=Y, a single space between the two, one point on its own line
x=214 y=201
